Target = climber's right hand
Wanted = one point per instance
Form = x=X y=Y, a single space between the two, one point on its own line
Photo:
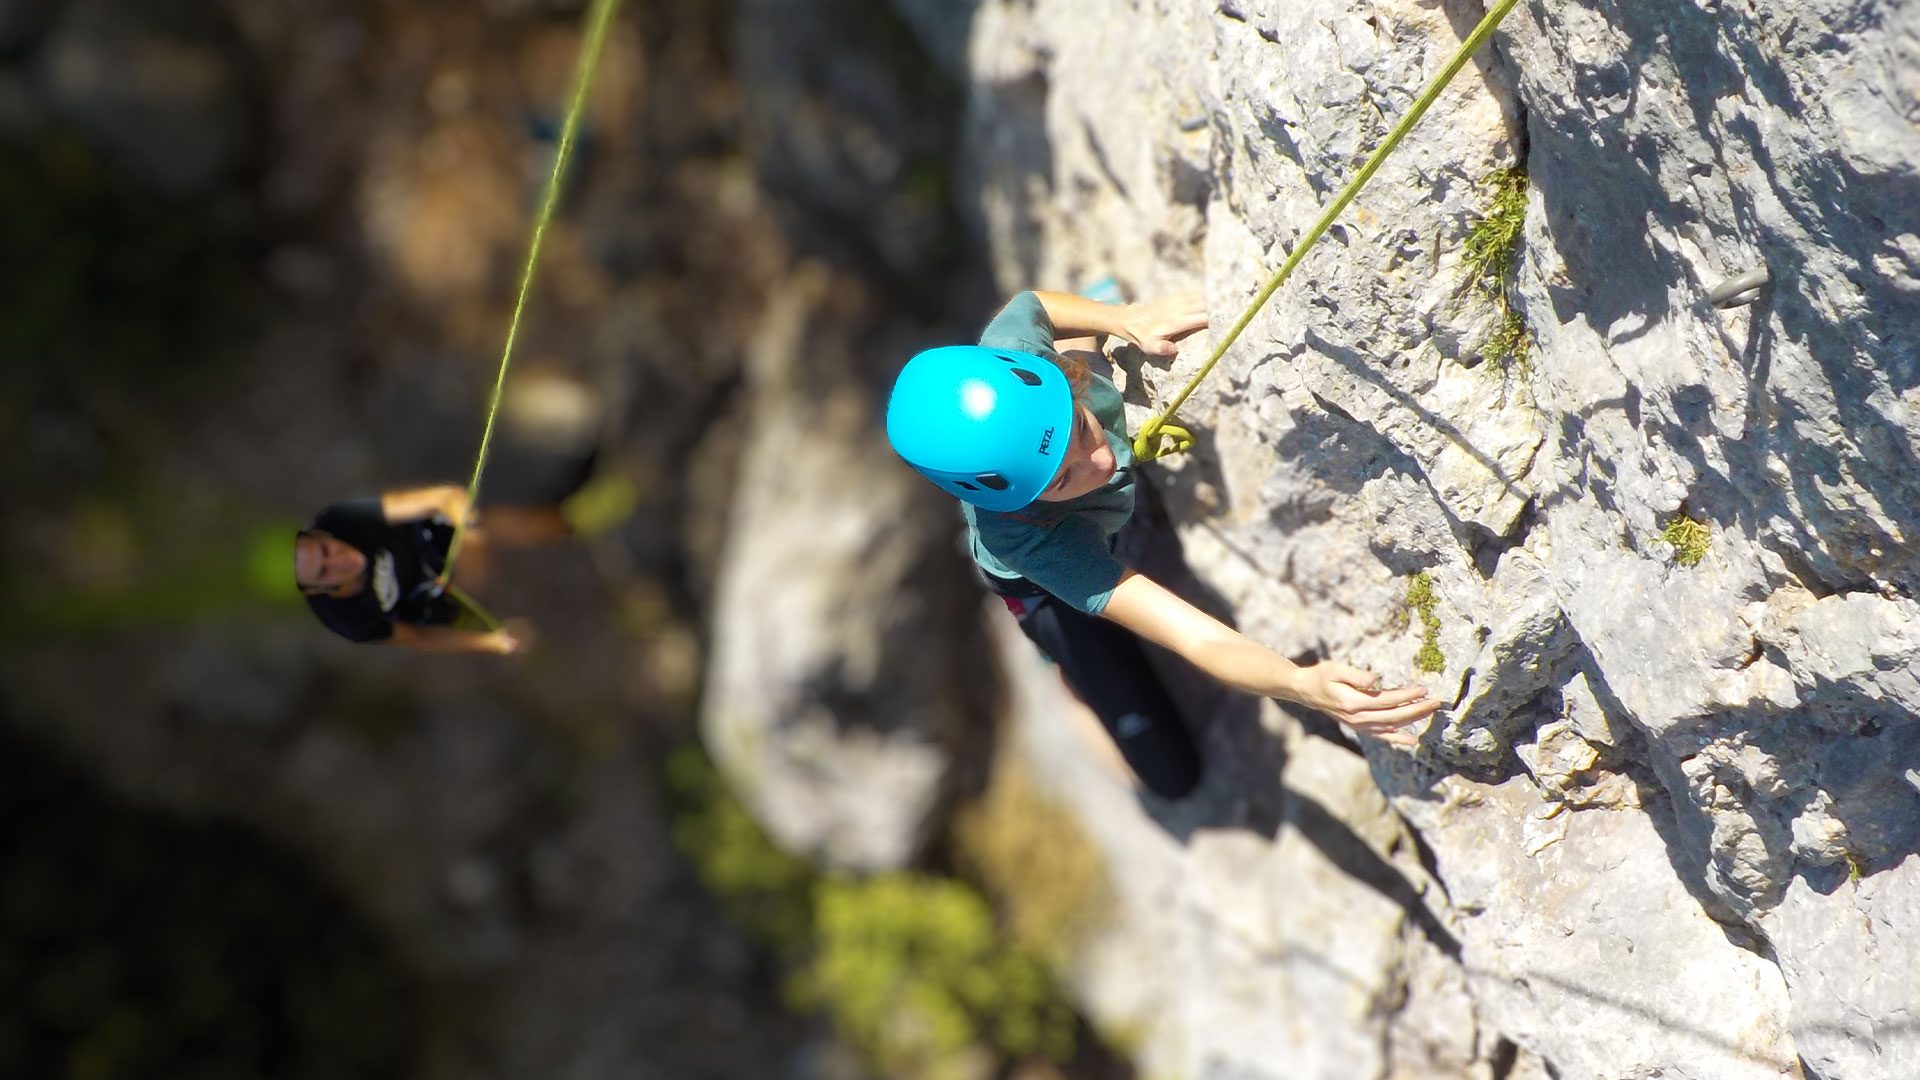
x=1353 y=696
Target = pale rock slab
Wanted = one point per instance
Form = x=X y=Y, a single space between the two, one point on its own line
x=838 y=729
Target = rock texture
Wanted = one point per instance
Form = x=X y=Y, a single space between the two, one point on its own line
x=844 y=733
x=1669 y=826
x=837 y=696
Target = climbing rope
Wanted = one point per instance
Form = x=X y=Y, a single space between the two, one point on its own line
x=472 y=607
x=599 y=18
x=1159 y=437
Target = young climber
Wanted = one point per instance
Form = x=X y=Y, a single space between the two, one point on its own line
x=1034 y=444
x=367 y=566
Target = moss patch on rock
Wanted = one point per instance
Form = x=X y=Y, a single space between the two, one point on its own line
x=1689 y=539
x=1492 y=258
x=1421 y=601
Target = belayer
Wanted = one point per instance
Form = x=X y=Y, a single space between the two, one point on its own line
x=368 y=567
x=1034 y=444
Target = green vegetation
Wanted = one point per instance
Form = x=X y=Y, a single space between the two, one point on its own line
x=914 y=970
x=1510 y=343
x=132 y=556
x=143 y=945
x=601 y=505
x=1492 y=257
x=765 y=891
x=116 y=309
x=1420 y=599
x=1493 y=246
x=1688 y=539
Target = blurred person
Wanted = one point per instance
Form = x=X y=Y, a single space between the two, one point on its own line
x=368 y=566
x=1034 y=444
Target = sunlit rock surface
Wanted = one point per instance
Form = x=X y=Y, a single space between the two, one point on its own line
x=1671 y=821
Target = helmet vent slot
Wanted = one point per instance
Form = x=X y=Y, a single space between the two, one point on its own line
x=1027 y=377
x=966 y=485
x=993 y=480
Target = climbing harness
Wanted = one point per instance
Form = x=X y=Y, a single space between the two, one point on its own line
x=599 y=18
x=1159 y=437
x=435 y=589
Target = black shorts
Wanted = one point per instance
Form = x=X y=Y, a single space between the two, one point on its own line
x=1107 y=667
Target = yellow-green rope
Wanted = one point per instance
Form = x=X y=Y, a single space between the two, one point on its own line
x=599 y=18
x=1158 y=437
x=472 y=606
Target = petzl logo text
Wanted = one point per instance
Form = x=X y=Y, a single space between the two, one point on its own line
x=1046 y=440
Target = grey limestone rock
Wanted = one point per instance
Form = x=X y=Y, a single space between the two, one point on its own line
x=1674 y=813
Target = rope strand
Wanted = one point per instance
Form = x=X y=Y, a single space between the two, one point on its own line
x=599 y=18
x=1147 y=444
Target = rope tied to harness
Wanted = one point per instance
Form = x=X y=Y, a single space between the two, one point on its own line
x=1159 y=436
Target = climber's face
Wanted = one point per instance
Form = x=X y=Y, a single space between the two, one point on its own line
x=1089 y=461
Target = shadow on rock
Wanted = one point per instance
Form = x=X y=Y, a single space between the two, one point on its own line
x=1243 y=787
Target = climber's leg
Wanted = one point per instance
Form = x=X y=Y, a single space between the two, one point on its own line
x=1107 y=667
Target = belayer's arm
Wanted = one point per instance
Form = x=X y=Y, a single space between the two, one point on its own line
x=1349 y=694
x=446 y=639
x=416 y=503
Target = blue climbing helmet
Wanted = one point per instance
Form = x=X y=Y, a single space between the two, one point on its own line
x=990 y=426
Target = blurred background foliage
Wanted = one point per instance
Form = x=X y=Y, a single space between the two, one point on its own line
x=917 y=970
x=260 y=254
x=112 y=283
x=142 y=944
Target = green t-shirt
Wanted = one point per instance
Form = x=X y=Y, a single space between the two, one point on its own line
x=1064 y=549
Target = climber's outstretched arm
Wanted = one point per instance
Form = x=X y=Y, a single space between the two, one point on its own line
x=1349 y=694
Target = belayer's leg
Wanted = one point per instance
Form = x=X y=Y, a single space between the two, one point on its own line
x=1106 y=665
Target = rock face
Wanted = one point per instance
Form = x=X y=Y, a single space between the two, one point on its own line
x=1669 y=826
x=838 y=699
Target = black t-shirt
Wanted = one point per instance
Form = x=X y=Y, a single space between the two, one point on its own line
x=402 y=560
